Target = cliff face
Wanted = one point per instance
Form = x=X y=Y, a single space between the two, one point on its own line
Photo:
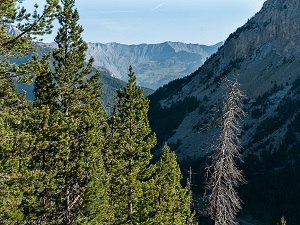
x=269 y=39
x=154 y=64
x=265 y=55
x=275 y=26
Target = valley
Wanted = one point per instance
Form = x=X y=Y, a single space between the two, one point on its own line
x=138 y=141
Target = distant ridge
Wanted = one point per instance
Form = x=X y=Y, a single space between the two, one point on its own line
x=110 y=84
x=154 y=64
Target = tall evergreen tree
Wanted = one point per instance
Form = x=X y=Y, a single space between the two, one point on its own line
x=172 y=204
x=70 y=120
x=15 y=177
x=127 y=155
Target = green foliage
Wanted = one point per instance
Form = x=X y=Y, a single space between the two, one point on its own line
x=60 y=161
x=20 y=45
x=16 y=178
x=68 y=148
x=140 y=192
x=127 y=154
x=172 y=203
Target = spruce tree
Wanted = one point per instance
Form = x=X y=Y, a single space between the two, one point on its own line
x=71 y=120
x=172 y=203
x=127 y=155
x=16 y=178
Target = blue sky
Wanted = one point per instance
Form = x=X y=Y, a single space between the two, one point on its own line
x=156 y=21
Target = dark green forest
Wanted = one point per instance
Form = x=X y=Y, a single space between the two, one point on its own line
x=64 y=158
x=80 y=147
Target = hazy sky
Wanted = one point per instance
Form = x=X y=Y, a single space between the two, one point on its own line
x=156 y=21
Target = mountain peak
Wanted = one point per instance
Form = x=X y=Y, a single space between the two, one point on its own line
x=12 y=30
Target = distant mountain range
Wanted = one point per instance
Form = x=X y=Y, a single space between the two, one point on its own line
x=154 y=64
x=110 y=83
x=265 y=56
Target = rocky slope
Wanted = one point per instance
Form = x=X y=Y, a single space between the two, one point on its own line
x=264 y=54
x=154 y=64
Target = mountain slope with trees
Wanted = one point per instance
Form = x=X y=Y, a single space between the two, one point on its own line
x=264 y=55
x=61 y=155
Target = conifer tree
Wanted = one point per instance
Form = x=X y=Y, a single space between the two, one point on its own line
x=20 y=45
x=127 y=155
x=224 y=176
x=15 y=176
x=71 y=120
x=172 y=203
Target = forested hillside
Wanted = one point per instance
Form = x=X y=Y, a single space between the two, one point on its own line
x=64 y=159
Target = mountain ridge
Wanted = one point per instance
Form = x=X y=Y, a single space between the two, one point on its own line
x=110 y=84
x=264 y=55
x=154 y=64
x=259 y=68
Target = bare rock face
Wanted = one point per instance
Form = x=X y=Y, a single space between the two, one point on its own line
x=276 y=26
x=154 y=64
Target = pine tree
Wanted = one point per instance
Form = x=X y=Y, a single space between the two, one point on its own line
x=16 y=178
x=172 y=205
x=224 y=202
x=20 y=45
x=70 y=121
x=127 y=155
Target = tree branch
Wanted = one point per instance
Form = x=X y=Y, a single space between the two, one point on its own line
x=24 y=32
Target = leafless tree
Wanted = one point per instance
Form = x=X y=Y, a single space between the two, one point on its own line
x=223 y=174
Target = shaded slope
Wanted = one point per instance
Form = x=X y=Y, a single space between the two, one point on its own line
x=265 y=54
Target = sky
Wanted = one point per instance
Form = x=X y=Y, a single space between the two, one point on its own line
x=156 y=21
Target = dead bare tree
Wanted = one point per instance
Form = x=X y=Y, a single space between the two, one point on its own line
x=223 y=174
